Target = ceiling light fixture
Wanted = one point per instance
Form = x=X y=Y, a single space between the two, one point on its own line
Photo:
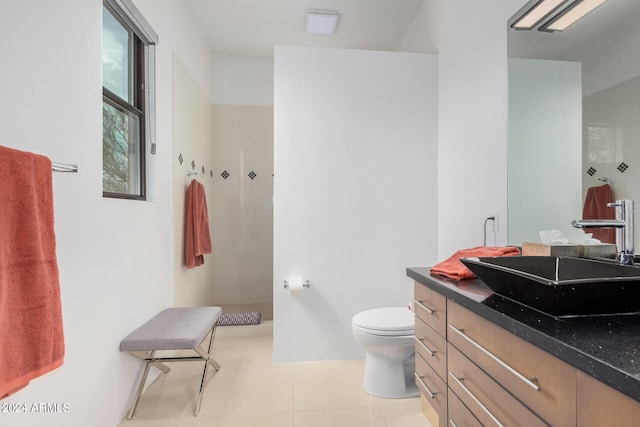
x=556 y=15
x=322 y=22
x=570 y=15
x=535 y=12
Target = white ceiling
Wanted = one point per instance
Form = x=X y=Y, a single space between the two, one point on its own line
x=254 y=27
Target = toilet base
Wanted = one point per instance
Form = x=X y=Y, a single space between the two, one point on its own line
x=390 y=379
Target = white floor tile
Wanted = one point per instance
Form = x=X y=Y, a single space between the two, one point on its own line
x=250 y=390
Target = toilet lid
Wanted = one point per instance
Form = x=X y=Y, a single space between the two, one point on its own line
x=386 y=321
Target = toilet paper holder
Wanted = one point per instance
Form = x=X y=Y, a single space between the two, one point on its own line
x=306 y=284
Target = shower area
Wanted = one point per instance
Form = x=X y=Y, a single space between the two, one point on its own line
x=242 y=208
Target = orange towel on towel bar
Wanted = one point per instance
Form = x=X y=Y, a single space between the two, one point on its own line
x=31 y=335
x=454 y=269
x=595 y=207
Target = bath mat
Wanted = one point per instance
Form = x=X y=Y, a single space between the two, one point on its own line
x=236 y=319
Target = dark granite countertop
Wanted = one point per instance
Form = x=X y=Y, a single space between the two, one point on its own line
x=605 y=347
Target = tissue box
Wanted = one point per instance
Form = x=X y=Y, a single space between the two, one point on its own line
x=543 y=249
x=604 y=250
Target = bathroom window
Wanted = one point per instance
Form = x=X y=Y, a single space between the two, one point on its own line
x=128 y=122
x=601 y=143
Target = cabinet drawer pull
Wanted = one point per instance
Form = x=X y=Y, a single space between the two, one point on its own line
x=475 y=399
x=531 y=382
x=419 y=378
x=453 y=424
x=422 y=344
x=424 y=307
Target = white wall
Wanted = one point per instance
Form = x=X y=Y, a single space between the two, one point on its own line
x=242 y=90
x=422 y=33
x=472 y=145
x=193 y=140
x=471 y=41
x=115 y=256
x=545 y=161
x=242 y=80
x=242 y=206
x=354 y=190
x=178 y=36
x=184 y=67
x=605 y=66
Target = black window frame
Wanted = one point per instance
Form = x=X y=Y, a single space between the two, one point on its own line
x=138 y=107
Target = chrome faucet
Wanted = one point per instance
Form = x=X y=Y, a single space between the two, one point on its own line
x=623 y=225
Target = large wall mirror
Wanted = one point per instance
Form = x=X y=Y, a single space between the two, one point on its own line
x=574 y=119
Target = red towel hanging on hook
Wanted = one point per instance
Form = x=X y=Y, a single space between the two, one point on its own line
x=197 y=237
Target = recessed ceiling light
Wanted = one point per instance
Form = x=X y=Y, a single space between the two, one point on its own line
x=322 y=22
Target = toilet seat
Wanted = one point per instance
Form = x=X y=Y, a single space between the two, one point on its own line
x=389 y=321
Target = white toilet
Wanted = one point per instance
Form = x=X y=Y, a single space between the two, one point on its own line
x=387 y=336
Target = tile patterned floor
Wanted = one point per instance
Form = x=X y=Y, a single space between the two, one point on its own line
x=250 y=390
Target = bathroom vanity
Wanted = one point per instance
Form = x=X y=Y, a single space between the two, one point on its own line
x=482 y=359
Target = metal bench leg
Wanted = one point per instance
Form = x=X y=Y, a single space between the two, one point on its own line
x=141 y=385
x=214 y=364
x=164 y=368
x=207 y=361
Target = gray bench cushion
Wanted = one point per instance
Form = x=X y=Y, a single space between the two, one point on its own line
x=177 y=328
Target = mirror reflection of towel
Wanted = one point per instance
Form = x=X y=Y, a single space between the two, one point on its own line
x=595 y=207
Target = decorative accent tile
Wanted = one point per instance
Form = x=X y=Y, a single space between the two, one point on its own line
x=224 y=174
x=591 y=171
x=193 y=164
x=252 y=175
x=623 y=167
x=180 y=159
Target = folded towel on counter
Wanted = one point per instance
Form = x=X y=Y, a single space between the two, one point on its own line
x=454 y=269
x=31 y=335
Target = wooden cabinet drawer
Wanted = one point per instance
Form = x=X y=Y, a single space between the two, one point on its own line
x=432 y=347
x=543 y=383
x=431 y=307
x=600 y=405
x=431 y=387
x=487 y=400
x=460 y=415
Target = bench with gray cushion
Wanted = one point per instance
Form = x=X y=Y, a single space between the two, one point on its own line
x=174 y=329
